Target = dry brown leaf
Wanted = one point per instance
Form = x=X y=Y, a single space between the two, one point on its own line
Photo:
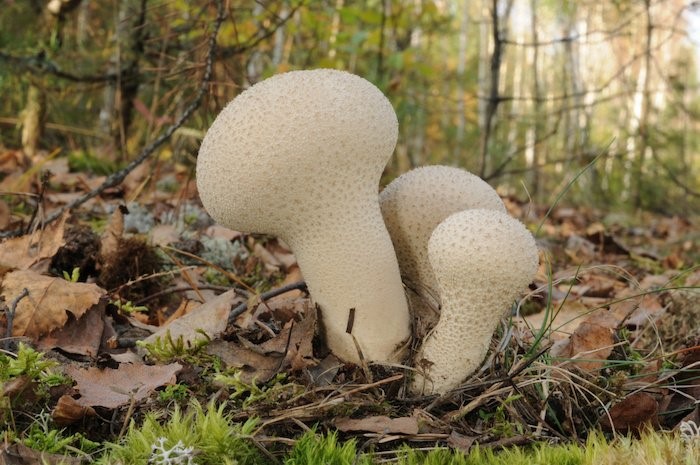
x=113 y=388
x=5 y=215
x=460 y=441
x=45 y=308
x=109 y=242
x=261 y=362
x=18 y=387
x=592 y=342
x=570 y=314
x=163 y=234
x=379 y=424
x=69 y=411
x=79 y=335
x=19 y=454
x=33 y=250
x=222 y=232
x=632 y=414
x=254 y=367
x=209 y=318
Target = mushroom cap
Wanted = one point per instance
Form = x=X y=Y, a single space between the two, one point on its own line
x=413 y=205
x=296 y=144
x=482 y=259
x=299 y=156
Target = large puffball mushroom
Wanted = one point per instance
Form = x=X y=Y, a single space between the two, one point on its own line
x=299 y=156
x=482 y=260
x=413 y=205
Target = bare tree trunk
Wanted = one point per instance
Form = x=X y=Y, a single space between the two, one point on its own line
x=498 y=32
x=117 y=108
x=33 y=119
x=532 y=151
x=645 y=147
x=335 y=28
x=482 y=72
x=461 y=68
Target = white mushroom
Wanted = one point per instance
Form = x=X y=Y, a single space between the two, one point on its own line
x=413 y=205
x=482 y=260
x=299 y=156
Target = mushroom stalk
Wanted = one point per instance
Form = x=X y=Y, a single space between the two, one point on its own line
x=482 y=260
x=299 y=156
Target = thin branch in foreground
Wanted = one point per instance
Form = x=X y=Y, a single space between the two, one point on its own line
x=117 y=178
x=11 y=315
x=238 y=310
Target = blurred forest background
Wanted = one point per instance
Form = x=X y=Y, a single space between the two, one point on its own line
x=529 y=94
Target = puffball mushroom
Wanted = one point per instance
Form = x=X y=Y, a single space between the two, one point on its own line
x=482 y=260
x=299 y=156
x=413 y=205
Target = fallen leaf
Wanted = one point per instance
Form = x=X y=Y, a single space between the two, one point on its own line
x=109 y=242
x=45 y=308
x=5 y=215
x=113 y=388
x=18 y=387
x=222 y=232
x=569 y=315
x=33 y=250
x=324 y=373
x=379 y=424
x=632 y=414
x=460 y=441
x=210 y=318
x=69 y=411
x=80 y=336
x=290 y=349
x=19 y=454
x=592 y=342
x=163 y=234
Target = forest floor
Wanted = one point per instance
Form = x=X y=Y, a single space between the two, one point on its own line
x=137 y=302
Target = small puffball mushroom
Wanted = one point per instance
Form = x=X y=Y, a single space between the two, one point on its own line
x=482 y=260
x=413 y=205
x=299 y=156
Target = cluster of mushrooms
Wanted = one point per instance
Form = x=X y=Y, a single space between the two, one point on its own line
x=300 y=156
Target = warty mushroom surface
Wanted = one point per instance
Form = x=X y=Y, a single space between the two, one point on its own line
x=482 y=260
x=413 y=205
x=299 y=156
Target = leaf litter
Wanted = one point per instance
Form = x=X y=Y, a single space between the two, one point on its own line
x=608 y=338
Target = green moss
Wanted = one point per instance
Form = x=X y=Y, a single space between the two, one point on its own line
x=205 y=433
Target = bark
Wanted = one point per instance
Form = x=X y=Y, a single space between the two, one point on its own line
x=534 y=132
x=461 y=68
x=643 y=130
x=116 y=114
x=499 y=34
x=33 y=119
x=335 y=28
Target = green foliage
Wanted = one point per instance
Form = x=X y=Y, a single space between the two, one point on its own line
x=43 y=436
x=82 y=161
x=252 y=394
x=128 y=307
x=315 y=449
x=166 y=349
x=30 y=363
x=174 y=392
x=208 y=432
x=499 y=421
x=74 y=276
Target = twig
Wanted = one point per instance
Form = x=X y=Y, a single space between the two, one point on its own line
x=177 y=289
x=237 y=311
x=125 y=343
x=11 y=315
x=116 y=178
